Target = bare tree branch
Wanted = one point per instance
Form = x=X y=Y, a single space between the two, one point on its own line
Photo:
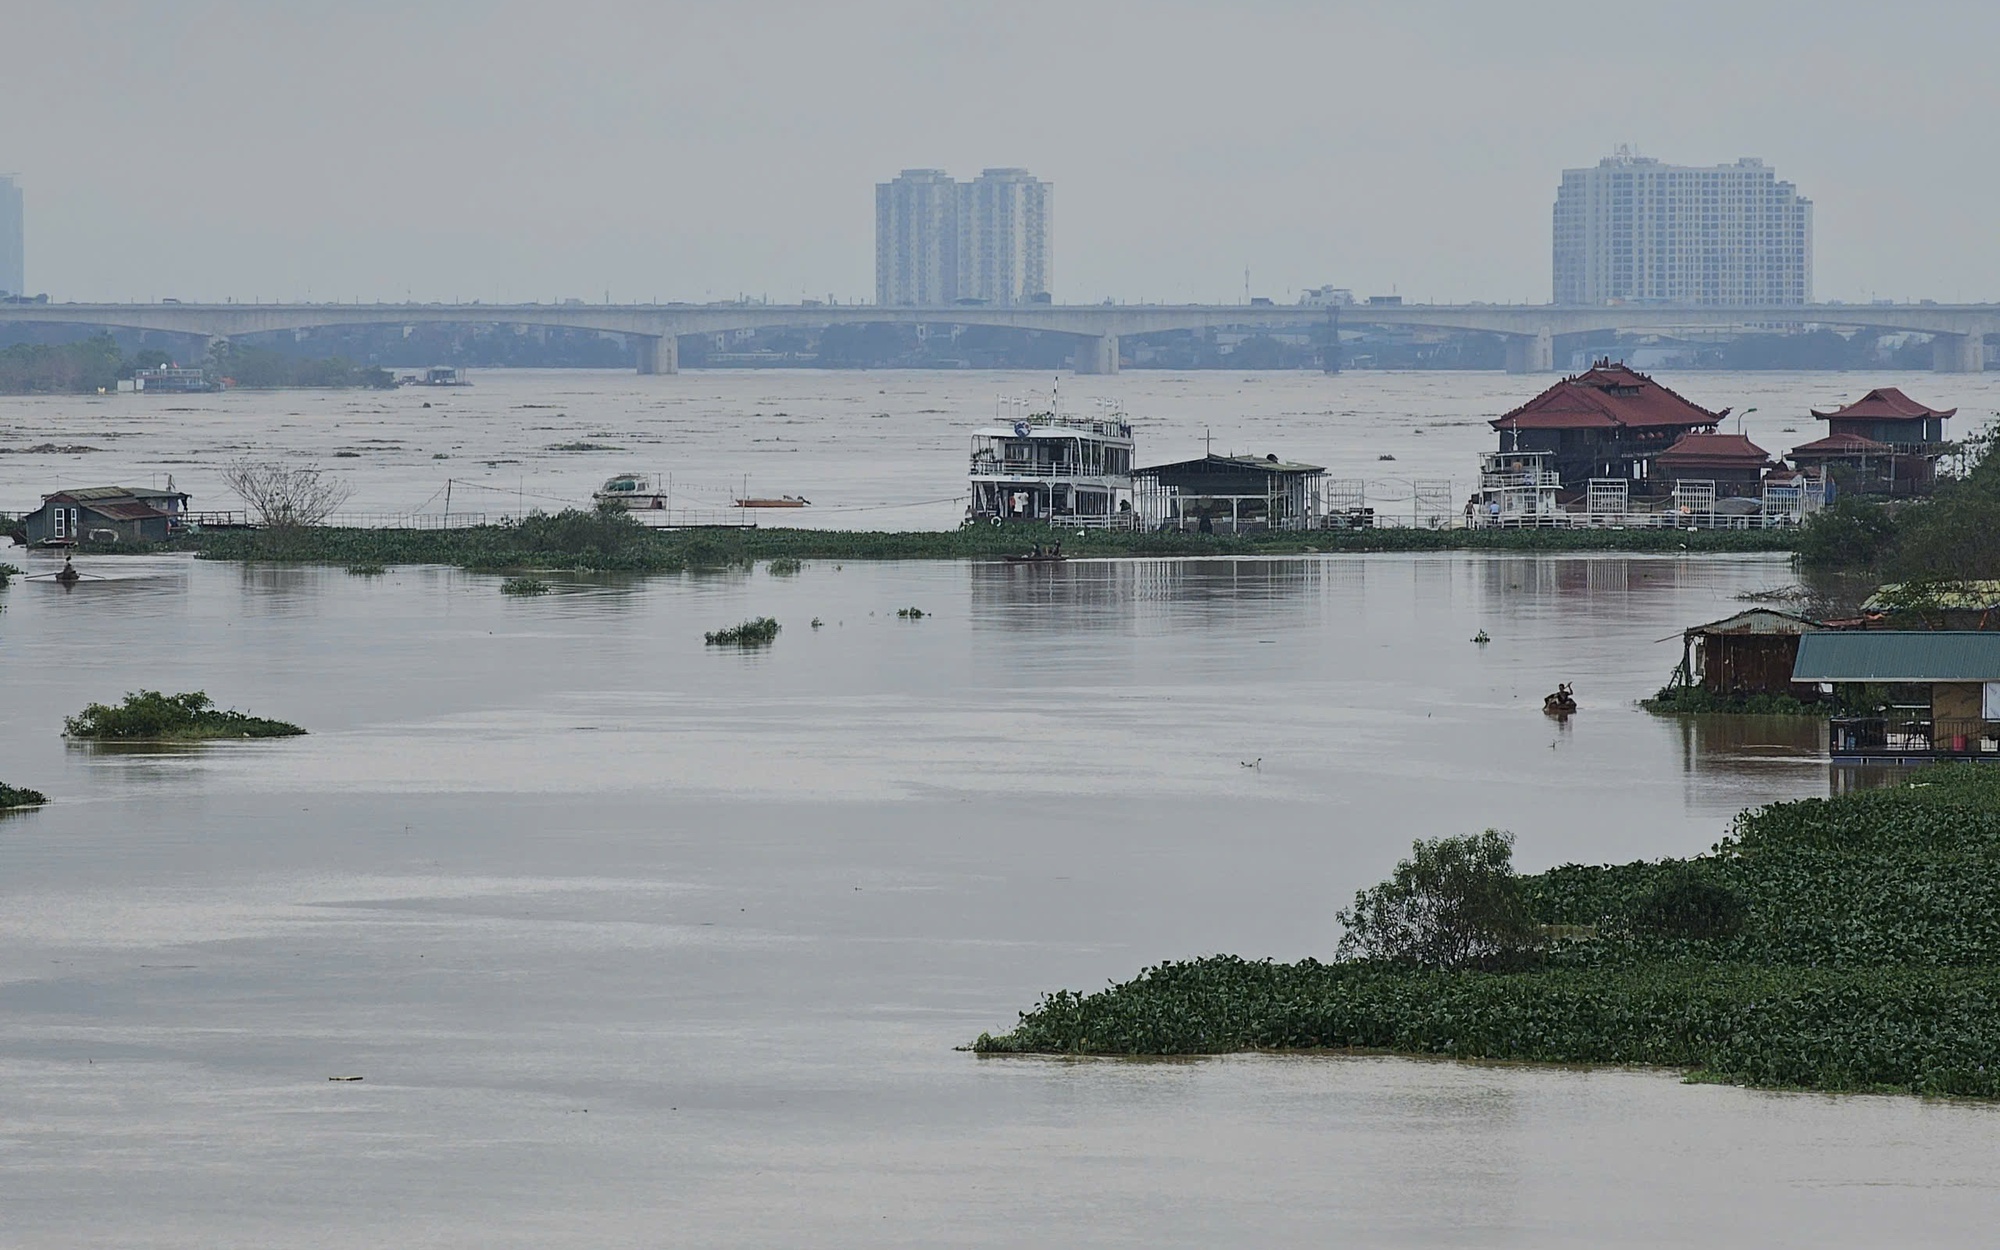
x=285 y=496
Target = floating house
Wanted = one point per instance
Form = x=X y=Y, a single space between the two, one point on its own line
x=1941 y=692
x=1053 y=468
x=1230 y=494
x=1884 y=443
x=1732 y=464
x=105 y=514
x=1609 y=423
x=1750 y=653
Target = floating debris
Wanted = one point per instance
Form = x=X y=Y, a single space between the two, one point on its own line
x=1482 y=638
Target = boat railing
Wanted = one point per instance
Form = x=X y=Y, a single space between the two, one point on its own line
x=994 y=466
x=1914 y=734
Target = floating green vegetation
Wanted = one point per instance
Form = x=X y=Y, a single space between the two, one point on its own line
x=149 y=716
x=524 y=586
x=1696 y=701
x=367 y=570
x=817 y=623
x=7 y=574
x=910 y=614
x=757 y=633
x=581 y=447
x=612 y=540
x=783 y=566
x=1850 y=943
x=20 y=796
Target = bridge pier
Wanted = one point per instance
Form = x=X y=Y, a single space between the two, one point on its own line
x=1958 y=353
x=1534 y=353
x=1097 y=354
x=658 y=353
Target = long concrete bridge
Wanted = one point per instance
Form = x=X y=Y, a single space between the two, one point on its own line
x=1958 y=346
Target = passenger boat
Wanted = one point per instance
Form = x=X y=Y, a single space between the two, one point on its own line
x=782 y=501
x=1052 y=468
x=631 y=490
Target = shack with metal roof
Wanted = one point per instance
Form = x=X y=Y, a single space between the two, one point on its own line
x=1750 y=653
x=104 y=515
x=1230 y=494
x=1936 y=693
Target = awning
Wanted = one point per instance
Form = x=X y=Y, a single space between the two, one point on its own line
x=1887 y=655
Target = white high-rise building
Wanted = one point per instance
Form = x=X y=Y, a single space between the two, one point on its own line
x=1633 y=230
x=13 y=236
x=938 y=241
x=1003 y=230
x=916 y=238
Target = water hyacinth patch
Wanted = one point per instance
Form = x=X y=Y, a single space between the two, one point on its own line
x=524 y=586
x=755 y=633
x=1850 y=943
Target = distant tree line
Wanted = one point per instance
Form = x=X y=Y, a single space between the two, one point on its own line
x=97 y=363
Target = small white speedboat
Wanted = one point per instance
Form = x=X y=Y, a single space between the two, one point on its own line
x=636 y=491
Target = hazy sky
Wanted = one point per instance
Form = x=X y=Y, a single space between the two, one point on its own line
x=506 y=151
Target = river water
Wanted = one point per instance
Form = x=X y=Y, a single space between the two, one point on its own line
x=640 y=943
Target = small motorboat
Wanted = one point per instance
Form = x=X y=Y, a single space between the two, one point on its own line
x=1561 y=703
x=782 y=501
x=1043 y=558
x=631 y=490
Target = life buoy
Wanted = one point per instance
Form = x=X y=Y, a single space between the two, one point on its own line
x=993 y=520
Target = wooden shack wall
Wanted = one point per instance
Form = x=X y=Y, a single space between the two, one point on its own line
x=1751 y=664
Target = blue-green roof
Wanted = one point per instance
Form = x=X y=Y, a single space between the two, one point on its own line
x=1894 y=655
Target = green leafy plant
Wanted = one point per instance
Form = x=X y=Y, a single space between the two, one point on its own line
x=19 y=796
x=783 y=566
x=753 y=633
x=524 y=586
x=150 y=716
x=910 y=614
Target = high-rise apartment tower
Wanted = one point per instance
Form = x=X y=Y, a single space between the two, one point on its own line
x=13 y=235
x=1631 y=230
x=938 y=241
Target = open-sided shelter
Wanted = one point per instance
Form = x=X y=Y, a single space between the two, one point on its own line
x=1229 y=494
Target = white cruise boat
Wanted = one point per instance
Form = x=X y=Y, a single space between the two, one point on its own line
x=1052 y=468
x=631 y=490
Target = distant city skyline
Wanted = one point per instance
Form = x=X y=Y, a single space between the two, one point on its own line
x=697 y=156
x=1631 y=228
x=939 y=241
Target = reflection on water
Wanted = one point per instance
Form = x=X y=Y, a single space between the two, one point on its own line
x=626 y=932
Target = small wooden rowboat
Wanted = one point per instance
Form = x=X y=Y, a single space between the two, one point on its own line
x=1045 y=558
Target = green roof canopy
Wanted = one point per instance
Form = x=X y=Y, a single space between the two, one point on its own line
x=1889 y=655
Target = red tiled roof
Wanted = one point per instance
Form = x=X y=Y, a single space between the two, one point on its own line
x=1842 y=445
x=1885 y=403
x=1607 y=396
x=1713 y=451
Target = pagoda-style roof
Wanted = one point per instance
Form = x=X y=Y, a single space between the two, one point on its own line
x=1608 y=396
x=1835 y=446
x=1884 y=403
x=1713 y=451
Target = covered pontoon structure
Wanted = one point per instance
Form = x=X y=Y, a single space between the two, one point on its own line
x=1230 y=494
x=1940 y=692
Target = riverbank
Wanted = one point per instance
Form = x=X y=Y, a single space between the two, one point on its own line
x=1840 y=944
x=593 y=542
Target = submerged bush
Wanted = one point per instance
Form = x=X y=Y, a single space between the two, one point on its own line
x=20 y=796
x=7 y=573
x=524 y=586
x=149 y=716
x=366 y=570
x=1697 y=701
x=783 y=566
x=1454 y=903
x=910 y=614
x=755 y=633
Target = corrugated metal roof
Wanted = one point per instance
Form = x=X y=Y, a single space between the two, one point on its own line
x=1758 y=621
x=1898 y=655
x=1972 y=596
